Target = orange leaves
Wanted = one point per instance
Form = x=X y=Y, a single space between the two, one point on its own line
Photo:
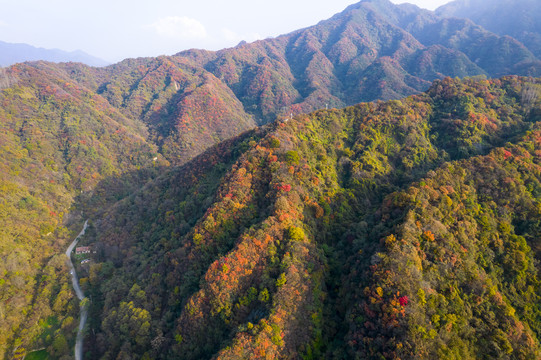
x=272 y=158
x=428 y=236
x=390 y=241
x=318 y=211
x=446 y=190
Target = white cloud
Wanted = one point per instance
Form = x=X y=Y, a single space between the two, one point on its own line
x=233 y=37
x=179 y=27
x=230 y=35
x=3 y=24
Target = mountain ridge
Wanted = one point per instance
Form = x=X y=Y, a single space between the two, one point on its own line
x=377 y=193
x=513 y=18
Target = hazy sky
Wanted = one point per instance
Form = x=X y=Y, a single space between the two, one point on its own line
x=117 y=29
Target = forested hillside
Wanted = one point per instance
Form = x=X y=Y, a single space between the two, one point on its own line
x=400 y=229
x=57 y=141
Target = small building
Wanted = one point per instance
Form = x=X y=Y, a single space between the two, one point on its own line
x=85 y=261
x=82 y=250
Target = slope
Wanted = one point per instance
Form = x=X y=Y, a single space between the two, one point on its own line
x=57 y=140
x=385 y=229
x=372 y=50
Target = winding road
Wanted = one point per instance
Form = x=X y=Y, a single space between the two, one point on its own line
x=80 y=296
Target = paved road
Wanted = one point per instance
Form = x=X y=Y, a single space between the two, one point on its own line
x=80 y=296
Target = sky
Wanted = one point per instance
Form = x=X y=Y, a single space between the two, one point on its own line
x=117 y=29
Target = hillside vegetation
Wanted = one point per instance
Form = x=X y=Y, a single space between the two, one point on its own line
x=400 y=229
x=57 y=141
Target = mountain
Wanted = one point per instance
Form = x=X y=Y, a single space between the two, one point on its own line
x=400 y=229
x=58 y=141
x=372 y=50
x=361 y=54
x=262 y=240
x=516 y=18
x=15 y=53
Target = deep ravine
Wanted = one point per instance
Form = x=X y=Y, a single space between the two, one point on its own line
x=80 y=296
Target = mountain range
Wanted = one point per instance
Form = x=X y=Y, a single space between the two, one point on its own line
x=372 y=50
x=15 y=53
x=231 y=218
x=504 y=17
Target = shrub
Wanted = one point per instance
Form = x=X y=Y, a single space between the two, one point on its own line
x=292 y=157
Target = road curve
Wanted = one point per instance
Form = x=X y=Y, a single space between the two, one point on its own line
x=80 y=296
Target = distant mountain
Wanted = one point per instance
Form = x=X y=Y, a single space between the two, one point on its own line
x=516 y=18
x=15 y=53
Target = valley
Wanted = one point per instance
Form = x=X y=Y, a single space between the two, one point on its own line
x=80 y=295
